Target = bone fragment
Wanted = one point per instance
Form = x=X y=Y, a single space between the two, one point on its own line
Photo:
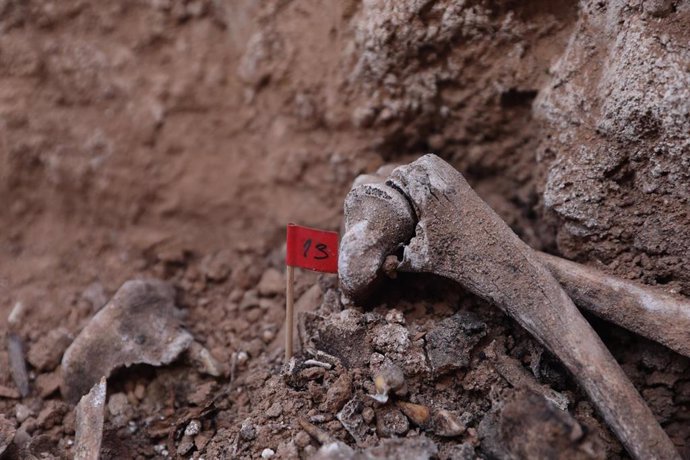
x=459 y=237
x=15 y=350
x=89 y=423
x=137 y=326
x=649 y=312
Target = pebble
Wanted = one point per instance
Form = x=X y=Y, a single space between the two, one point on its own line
x=22 y=412
x=247 y=431
x=275 y=410
x=302 y=439
x=139 y=391
x=272 y=283
x=267 y=453
x=193 y=428
x=417 y=413
x=186 y=444
x=254 y=315
x=242 y=358
x=447 y=424
x=368 y=414
x=339 y=393
x=268 y=335
x=49 y=383
x=390 y=422
x=46 y=353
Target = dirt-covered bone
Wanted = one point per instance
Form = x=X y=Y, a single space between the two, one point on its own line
x=461 y=238
x=137 y=326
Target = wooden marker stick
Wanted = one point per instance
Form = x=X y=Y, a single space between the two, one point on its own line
x=289 y=310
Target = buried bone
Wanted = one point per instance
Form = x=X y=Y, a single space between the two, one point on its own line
x=137 y=326
x=447 y=230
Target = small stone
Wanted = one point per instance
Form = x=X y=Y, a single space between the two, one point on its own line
x=272 y=283
x=451 y=341
x=390 y=422
x=254 y=315
x=242 y=358
x=339 y=393
x=202 y=439
x=186 y=444
x=217 y=267
x=47 y=384
x=139 y=391
x=202 y=393
x=389 y=377
x=417 y=413
x=268 y=335
x=351 y=418
x=302 y=439
x=313 y=373
x=267 y=453
x=94 y=295
x=193 y=428
x=247 y=431
x=275 y=410
x=46 y=353
x=249 y=299
x=118 y=404
x=447 y=423
x=22 y=412
x=9 y=393
x=368 y=414
x=203 y=360
x=51 y=414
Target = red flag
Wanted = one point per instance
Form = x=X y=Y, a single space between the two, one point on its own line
x=312 y=249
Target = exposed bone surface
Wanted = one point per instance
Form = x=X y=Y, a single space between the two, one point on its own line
x=137 y=326
x=459 y=237
x=89 y=423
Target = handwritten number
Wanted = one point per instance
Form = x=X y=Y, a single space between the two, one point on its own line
x=320 y=247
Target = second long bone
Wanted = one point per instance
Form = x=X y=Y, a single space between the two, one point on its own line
x=451 y=232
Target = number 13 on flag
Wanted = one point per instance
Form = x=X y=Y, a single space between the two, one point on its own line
x=311 y=249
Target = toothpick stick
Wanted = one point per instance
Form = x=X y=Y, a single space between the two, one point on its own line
x=289 y=310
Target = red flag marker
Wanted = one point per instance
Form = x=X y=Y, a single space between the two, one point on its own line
x=311 y=249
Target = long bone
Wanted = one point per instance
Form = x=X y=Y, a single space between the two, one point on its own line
x=447 y=230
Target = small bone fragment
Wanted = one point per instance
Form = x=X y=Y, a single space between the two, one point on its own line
x=137 y=326
x=15 y=350
x=459 y=237
x=650 y=312
x=7 y=432
x=89 y=423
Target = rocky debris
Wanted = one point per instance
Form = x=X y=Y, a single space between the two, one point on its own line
x=90 y=413
x=417 y=448
x=417 y=413
x=217 y=267
x=341 y=334
x=451 y=341
x=526 y=425
x=138 y=325
x=204 y=362
x=45 y=354
x=9 y=393
x=47 y=384
x=446 y=423
x=338 y=393
x=391 y=422
x=22 y=412
x=15 y=350
x=351 y=419
x=7 y=432
x=94 y=295
x=119 y=409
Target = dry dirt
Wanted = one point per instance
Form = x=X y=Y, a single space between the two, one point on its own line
x=175 y=139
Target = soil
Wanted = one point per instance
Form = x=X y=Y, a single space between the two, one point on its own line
x=174 y=139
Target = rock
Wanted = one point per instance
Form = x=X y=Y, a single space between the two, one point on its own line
x=334 y=451
x=247 y=431
x=137 y=326
x=451 y=341
x=94 y=295
x=51 y=414
x=21 y=412
x=275 y=410
x=49 y=383
x=267 y=453
x=7 y=432
x=302 y=439
x=46 y=353
x=89 y=423
x=390 y=422
x=390 y=338
x=193 y=428
x=9 y=393
x=351 y=419
x=446 y=423
x=186 y=444
x=204 y=362
x=388 y=377
x=272 y=283
x=341 y=334
x=339 y=393
x=202 y=393
x=417 y=413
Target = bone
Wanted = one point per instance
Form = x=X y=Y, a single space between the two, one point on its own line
x=649 y=312
x=459 y=237
x=137 y=326
x=89 y=423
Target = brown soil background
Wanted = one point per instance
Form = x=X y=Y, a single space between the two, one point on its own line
x=176 y=139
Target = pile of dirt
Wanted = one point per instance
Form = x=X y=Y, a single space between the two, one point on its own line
x=174 y=139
